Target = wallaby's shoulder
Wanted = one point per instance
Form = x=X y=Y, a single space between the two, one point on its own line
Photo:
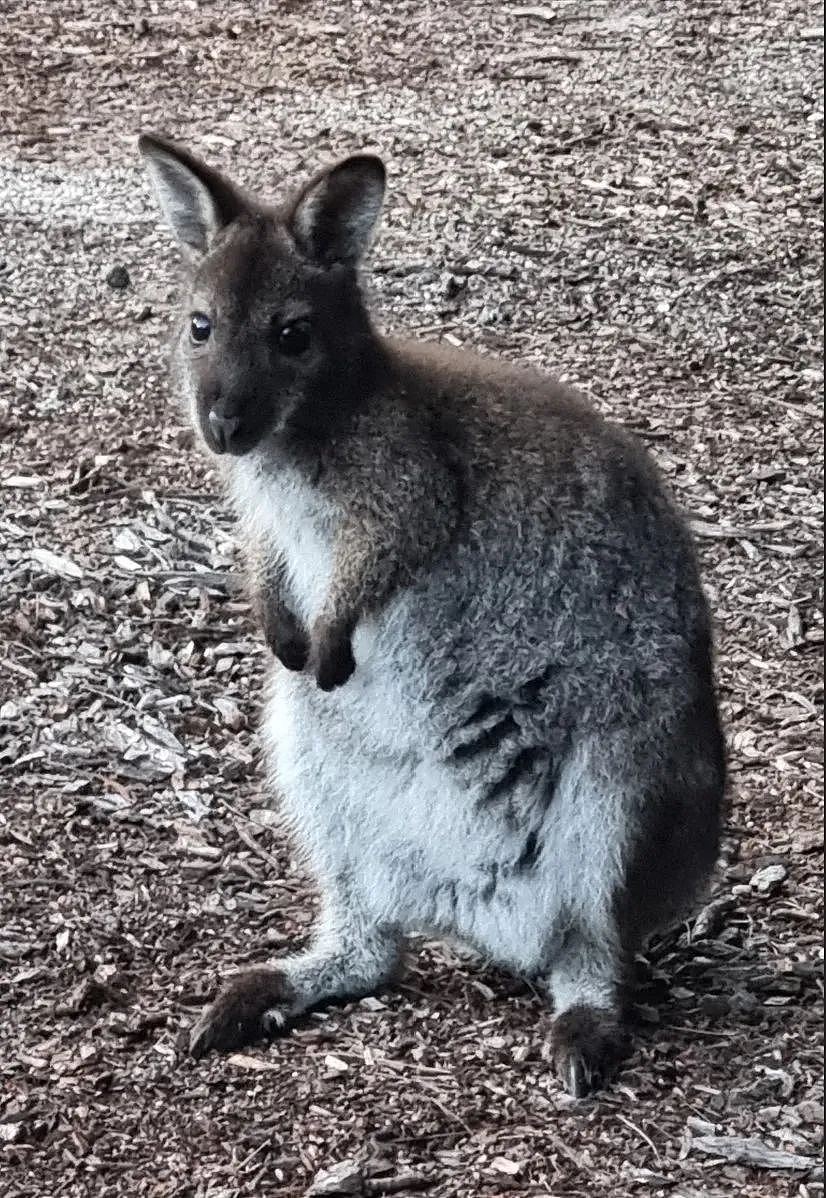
x=500 y=409
x=447 y=374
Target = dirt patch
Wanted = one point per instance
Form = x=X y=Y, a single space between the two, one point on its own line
x=629 y=194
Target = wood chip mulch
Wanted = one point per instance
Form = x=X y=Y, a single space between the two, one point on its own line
x=629 y=194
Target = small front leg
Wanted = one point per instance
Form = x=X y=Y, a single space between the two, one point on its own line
x=285 y=637
x=282 y=630
x=360 y=582
x=331 y=652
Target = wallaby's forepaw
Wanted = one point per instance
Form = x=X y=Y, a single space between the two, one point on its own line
x=331 y=656
x=288 y=642
x=588 y=1044
x=251 y=1006
x=292 y=652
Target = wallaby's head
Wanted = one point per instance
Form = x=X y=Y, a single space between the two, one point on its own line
x=274 y=336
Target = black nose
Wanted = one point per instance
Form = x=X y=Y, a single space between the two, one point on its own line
x=223 y=429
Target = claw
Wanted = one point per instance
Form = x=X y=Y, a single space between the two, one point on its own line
x=274 y=1021
x=588 y=1045
x=578 y=1081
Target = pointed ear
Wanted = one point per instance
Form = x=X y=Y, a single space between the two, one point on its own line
x=195 y=199
x=334 y=217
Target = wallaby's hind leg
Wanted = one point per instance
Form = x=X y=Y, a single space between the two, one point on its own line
x=635 y=868
x=348 y=959
x=588 y=1035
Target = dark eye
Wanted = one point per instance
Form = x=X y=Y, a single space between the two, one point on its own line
x=292 y=339
x=200 y=327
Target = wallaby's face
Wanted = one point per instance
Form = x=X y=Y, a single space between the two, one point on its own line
x=257 y=331
x=273 y=331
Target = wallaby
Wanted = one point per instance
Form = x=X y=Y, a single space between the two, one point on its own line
x=497 y=719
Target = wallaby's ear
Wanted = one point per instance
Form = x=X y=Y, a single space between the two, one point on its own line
x=196 y=200
x=335 y=215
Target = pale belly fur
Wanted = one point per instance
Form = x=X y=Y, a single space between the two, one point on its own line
x=383 y=815
x=376 y=808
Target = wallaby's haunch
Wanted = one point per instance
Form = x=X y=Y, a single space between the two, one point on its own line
x=497 y=719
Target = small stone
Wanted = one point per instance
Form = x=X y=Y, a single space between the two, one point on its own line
x=808 y=842
x=10 y=1133
x=712 y=917
x=811 y=1112
x=700 y=1127
x=769 y=879
x=118 y=278
x=371 y=1003
x=714 y=1006
x=231 y=716
x=503 y=1164
x=335 y=1064
x=738 y=872
x=454 y=287
x=345 y=1178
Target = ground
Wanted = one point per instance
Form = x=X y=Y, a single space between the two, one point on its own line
x=630 y=195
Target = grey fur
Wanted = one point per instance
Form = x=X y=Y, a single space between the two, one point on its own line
x=499 y=720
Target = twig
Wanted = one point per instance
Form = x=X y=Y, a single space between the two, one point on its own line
x=256 y=848
x=171 y=526
x=703 y=528
x=446 y=1111
x=239 y=814
x=402 y=1182
x=742 y=1150
x=642 y=1136
x=542 y=14
x=696 y=1031
x=547 y=54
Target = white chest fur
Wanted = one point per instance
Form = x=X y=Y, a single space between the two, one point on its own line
x=281 y=509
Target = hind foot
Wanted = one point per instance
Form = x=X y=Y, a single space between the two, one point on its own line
x=588 y=1045
x=251 y=1006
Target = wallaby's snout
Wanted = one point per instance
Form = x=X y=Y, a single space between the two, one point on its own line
x=223 y=431
x=238 y=396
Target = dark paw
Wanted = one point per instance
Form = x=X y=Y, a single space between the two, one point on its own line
x=588 y=1045
x=285 y=636
x=252 y=1005
x=332 y=661
x=293 y=652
